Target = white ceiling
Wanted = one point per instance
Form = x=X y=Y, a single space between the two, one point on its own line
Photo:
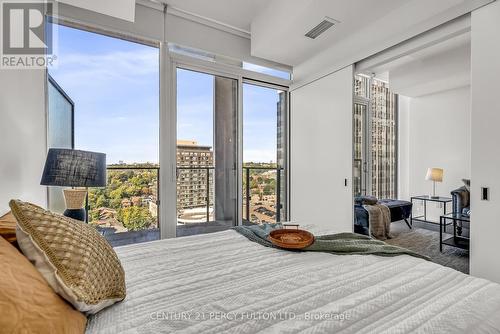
x=289 y=21
x=285 y=25
x=235 y=13
x=460 y=44
x=436 y=68
x=277 y=27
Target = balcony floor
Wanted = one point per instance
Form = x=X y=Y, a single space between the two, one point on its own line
x=132 y=237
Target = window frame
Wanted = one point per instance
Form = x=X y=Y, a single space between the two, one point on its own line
x=242 y=76
x=168 y=62
x=285 y=211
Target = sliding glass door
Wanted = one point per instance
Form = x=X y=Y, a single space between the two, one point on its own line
x=264 y=153
x=206 y=160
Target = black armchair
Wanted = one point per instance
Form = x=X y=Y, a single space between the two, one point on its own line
x=461 y=201
x=461 y=204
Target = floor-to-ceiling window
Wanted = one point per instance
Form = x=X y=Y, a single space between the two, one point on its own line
x=215 y=134
x=264 y=153
x=114 y=85
x=375 y=138
x=206 y=159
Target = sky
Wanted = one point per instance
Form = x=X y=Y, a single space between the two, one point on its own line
x=115 y=87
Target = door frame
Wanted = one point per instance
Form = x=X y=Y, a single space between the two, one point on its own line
x=366 y=166
x=286 y=128
x=169 y=63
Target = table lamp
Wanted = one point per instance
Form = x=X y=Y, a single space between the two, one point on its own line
x=74 y=168
x=434 y=175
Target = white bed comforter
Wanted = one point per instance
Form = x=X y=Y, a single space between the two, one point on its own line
x=223 y=283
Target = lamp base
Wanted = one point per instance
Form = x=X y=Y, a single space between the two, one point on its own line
x=78 y=214
x=74 y=198
x=75 y=201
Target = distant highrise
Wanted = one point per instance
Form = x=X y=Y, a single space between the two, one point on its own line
x=192 y=182
x=383 y=140
x=375 y=136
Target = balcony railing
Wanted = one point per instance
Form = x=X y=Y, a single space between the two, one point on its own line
x=261 y=189
x=263 y=193
x=207 y=186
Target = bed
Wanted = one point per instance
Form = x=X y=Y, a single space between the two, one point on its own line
x=224 y=283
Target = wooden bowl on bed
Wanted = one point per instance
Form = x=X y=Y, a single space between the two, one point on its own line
x=291 y=239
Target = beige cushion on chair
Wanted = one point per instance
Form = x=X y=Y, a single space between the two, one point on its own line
x=77 y=262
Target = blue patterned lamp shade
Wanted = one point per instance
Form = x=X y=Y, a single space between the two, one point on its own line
x=74 y=168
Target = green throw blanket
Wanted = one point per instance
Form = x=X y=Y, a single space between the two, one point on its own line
x=340 y=243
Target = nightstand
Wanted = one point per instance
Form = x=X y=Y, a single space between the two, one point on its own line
x=456 y=240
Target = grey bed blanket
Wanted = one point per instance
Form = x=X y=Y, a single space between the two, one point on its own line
x=340 y=243
x=379 y=219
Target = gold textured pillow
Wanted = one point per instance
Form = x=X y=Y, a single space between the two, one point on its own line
x=77 y=262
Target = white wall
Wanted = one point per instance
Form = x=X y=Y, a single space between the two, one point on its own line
x=22 y=136
x=126 y=10
x=485 y=142
x=321 y=152
x=434 y=132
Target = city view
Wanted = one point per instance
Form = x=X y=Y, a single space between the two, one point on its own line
x=375 y=137
x=129 y=202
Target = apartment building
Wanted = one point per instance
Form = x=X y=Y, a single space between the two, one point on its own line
x=194 y=174
x=374 y=140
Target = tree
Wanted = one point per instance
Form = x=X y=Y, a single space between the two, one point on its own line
x=101 y=201
x=135 y=218
x=123 y=184
x=268 y=189
x=94 y=215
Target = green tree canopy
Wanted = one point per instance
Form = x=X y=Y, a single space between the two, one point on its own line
x=135 y=218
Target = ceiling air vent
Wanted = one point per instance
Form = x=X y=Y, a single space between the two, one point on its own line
x=323 y=26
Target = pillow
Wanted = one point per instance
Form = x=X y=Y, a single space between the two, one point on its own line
x=8 y=227
x=28 y=303
x=467 y=184
x=77 y=262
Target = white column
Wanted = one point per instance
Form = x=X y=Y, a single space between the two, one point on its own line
x=485 y=136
